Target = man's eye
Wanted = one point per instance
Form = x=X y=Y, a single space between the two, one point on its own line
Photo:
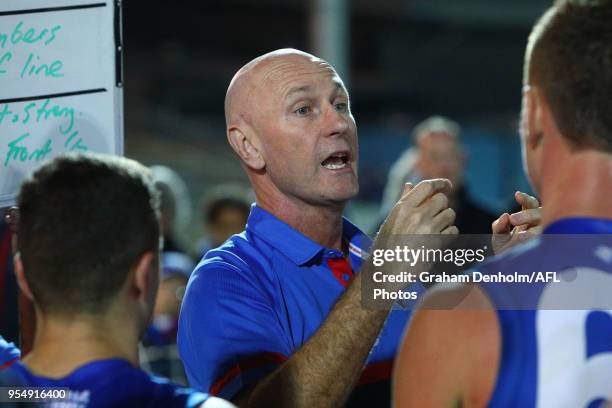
x=341 y=106
x=304 y=110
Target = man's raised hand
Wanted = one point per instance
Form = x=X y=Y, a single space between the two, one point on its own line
x=512 y=229
x=422 y=209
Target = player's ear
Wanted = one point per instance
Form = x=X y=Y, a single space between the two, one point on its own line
x=144 y=279
x=535 y=110
x=21 y=279
x=246 y=145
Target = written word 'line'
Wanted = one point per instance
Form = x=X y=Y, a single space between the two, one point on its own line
x=57 y=95
x=48 y=9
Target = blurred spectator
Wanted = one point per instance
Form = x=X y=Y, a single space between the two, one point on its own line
x=158 y=354
x=442 y=155
x=439 y=153
x=175 y=207
x=225 y=215
x=176 y=268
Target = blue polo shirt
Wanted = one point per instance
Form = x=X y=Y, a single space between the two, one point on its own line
x=254 y=301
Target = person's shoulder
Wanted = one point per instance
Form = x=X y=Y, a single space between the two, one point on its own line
x=14 y=374
x=237 y=269
x=457 y=310
x=453 y=330
x=236 y=251
x=454 y=309
x=242 y=254
x=116 y=382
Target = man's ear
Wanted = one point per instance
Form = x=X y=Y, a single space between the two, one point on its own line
x=535 y=106
x=21 y=279
x=145 y=277
x=246 y=146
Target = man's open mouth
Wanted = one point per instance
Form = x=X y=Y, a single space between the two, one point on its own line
x=336 y=161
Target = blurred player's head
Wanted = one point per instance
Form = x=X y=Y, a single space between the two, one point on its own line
x=176 y=268
x=175 y=203
x=289 y=120
x=567 y=86
x=226 y=216
x=440 y=153
x=88 y=238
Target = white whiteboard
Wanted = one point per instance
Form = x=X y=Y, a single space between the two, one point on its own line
x=60 y=84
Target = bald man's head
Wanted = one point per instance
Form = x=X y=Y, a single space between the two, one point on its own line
x=278 y=108
x=254 y=74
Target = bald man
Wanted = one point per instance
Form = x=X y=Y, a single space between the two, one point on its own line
x=273 y=317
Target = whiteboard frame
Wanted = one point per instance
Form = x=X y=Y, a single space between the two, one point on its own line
x=9 y=199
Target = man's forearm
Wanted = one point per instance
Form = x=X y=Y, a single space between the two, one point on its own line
x=324 y=371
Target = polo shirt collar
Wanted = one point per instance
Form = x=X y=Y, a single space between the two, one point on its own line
x=296 y=246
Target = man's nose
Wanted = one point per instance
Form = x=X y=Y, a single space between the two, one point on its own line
x=335 y=122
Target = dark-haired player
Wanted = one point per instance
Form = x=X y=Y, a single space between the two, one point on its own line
x=88 y=242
